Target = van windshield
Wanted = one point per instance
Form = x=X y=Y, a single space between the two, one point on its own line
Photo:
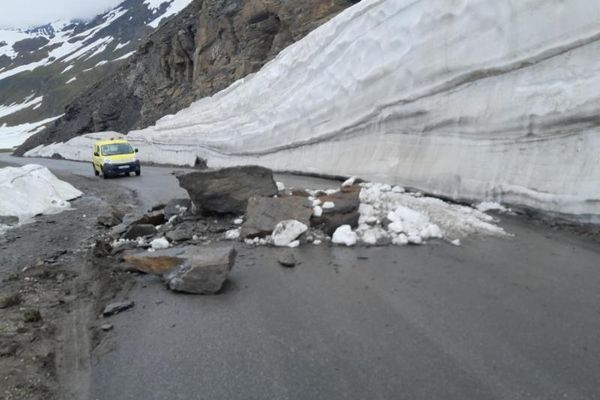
x=116 y=149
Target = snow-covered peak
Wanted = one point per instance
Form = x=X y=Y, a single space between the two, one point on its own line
x=70 y=55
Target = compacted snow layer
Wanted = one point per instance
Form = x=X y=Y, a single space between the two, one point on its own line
x=478 y=100
x=31 y=190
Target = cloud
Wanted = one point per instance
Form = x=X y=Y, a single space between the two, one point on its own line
x=29 y=13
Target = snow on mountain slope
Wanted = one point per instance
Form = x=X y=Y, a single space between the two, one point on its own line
x=44 y=60
x=470 y=99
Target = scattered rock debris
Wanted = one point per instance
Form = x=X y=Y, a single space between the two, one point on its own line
x=116 y=308
x=287 y=259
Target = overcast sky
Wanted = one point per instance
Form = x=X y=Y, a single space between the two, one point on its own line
x=27 y=13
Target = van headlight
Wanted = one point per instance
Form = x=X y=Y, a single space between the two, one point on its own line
x=107 y=161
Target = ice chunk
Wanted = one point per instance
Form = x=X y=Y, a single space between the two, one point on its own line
x=344 y=235
x=159 y=244
x=287 y=231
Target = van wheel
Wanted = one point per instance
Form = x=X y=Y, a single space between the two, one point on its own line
x=95 y=170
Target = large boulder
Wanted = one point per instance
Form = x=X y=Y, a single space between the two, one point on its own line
x=191 y=269
x=264 y=213
x=204 y=272
x=226 y=191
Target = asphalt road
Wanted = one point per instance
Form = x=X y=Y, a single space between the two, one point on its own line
x=496 y=318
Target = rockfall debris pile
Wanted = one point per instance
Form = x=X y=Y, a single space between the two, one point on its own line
x=190 y=242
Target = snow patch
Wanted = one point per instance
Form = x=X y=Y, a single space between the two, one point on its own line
x=12 y=136
x=14 y=107
x=31 y=190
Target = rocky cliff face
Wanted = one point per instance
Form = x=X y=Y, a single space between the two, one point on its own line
x=44 y=69
x=204 y=49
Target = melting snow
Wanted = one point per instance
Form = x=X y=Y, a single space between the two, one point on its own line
x=31 y=190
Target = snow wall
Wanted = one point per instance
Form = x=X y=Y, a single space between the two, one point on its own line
x=469 y=99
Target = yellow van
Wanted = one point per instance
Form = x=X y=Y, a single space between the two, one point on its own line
x=114 y=157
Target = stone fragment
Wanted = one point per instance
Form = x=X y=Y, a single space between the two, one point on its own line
x=142 y=230
x=9 y=300
x=228 y=190
x=32 y=315
x=176 y=207
x=115 y=308
x=183 y=231
x=110 y=219
x=152 y=218
x=287 y=259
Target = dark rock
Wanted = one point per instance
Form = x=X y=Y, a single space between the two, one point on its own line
x=345 y=201
x=152 y=218
x=287 y=259
x=102 y=248
x=112 y=218
x=300 y=192
x=8 y=349
x=32 y=315
x=115 y=308
x=183 y=231
x=9 y=220
x=141 y=230
x=345 y=211
x=158 y=207
x=204 y=271
x=328 y=223
x=117 y=231
x=175 y=207
x=227 y=190
x=9 y=300
x=121 y=247
x=264 y=213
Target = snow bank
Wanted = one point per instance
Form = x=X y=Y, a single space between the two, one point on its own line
x=474 y=100
x=31 y=190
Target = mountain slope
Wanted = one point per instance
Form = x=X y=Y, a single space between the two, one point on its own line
x=204 y=49
x=56 y=62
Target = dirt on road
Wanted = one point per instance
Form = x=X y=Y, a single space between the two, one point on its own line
x=51 y=292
